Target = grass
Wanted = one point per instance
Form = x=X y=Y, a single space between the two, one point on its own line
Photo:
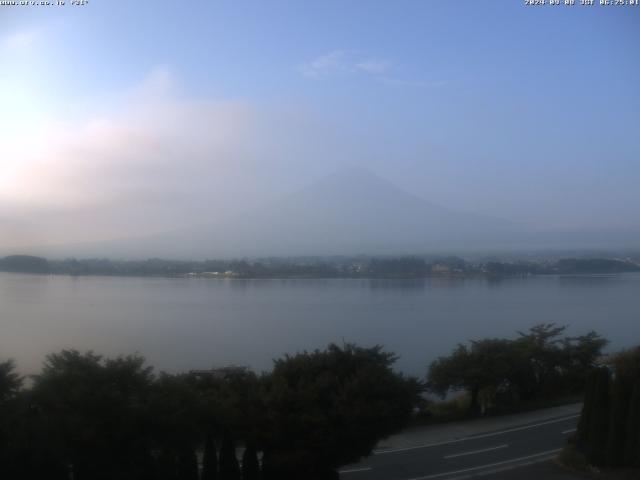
x=570 y=458
x=451 y=410
x=457 y=408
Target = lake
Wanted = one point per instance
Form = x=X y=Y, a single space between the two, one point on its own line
x=180 y=324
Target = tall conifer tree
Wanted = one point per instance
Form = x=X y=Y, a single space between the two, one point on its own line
x=209 y=459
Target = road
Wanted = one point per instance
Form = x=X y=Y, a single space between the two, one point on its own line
x=478 y=454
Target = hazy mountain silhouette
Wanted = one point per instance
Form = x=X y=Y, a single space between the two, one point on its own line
x=355 y=211
x=350 y=212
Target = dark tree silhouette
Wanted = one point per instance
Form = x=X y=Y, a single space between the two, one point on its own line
x=187 y=464
x=250 y=464
x=329 y=408
x=209 y=459
x=93 y=412
x=229 y=467
x=632 y=440
x=587 y=409
x=485 y=365
x=24 y=263
x=10 y=381
x=537 y=364
x=609 y=427
x=167 y=465
x=618 y=418
x=599 y=422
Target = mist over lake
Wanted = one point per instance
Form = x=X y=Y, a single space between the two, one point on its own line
x=181 y=324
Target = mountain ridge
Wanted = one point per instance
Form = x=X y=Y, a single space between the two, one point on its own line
x=352 y=211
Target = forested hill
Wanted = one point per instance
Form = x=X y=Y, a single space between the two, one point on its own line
x=24 y=264
x=319 y=267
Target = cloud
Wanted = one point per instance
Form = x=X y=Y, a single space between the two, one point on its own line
x=20 y=40
x=130 y=149
x=344 y=62
x=328 y=64
x=412 y=83
x=154 y=158
x=350 y=62
x=151 y=161
x=373 y=66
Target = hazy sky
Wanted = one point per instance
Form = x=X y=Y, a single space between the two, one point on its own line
x=120 y=118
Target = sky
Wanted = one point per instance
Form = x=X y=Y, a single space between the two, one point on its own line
x=122 y=118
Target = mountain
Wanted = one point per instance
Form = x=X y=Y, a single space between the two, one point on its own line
x=350 y=212
x=355 y=211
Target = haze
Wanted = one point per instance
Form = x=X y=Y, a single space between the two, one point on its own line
x=124 y=120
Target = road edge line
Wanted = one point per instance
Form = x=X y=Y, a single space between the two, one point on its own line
x=474 y=437
x=548 y=453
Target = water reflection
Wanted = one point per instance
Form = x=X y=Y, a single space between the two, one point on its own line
x=398 y=285
x=582 y=281
x=195 y=323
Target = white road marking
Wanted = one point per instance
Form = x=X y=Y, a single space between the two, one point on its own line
x=354 y=470
x=455 y=455
x=474 y=437
x=571 y=430
x=489 y=465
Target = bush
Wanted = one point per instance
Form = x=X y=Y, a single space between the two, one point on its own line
x=572 y=458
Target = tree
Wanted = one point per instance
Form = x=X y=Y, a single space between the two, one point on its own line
x=451 y=372
x=609 y=427
x=329 y=408
x=621 y=396
x=12 y=430
x=175 y=406
x=167 y=465
x=632 y=440
x=93 y=412
x=232 y=402
x=209 y=459
x=587 y=409
x=24 y=263
x=541 y=346
x=598 y=426
x=229 y=468
x=394 y=267
x=578 y=357
x=250 y=464
x=539 y=363
x=10 y=381
x=626 y=365
x=482 y=366
x=187 y=464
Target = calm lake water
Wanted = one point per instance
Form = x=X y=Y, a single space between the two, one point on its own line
x=180 y=324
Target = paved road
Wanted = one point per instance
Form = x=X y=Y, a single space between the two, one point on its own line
x=478 y=454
